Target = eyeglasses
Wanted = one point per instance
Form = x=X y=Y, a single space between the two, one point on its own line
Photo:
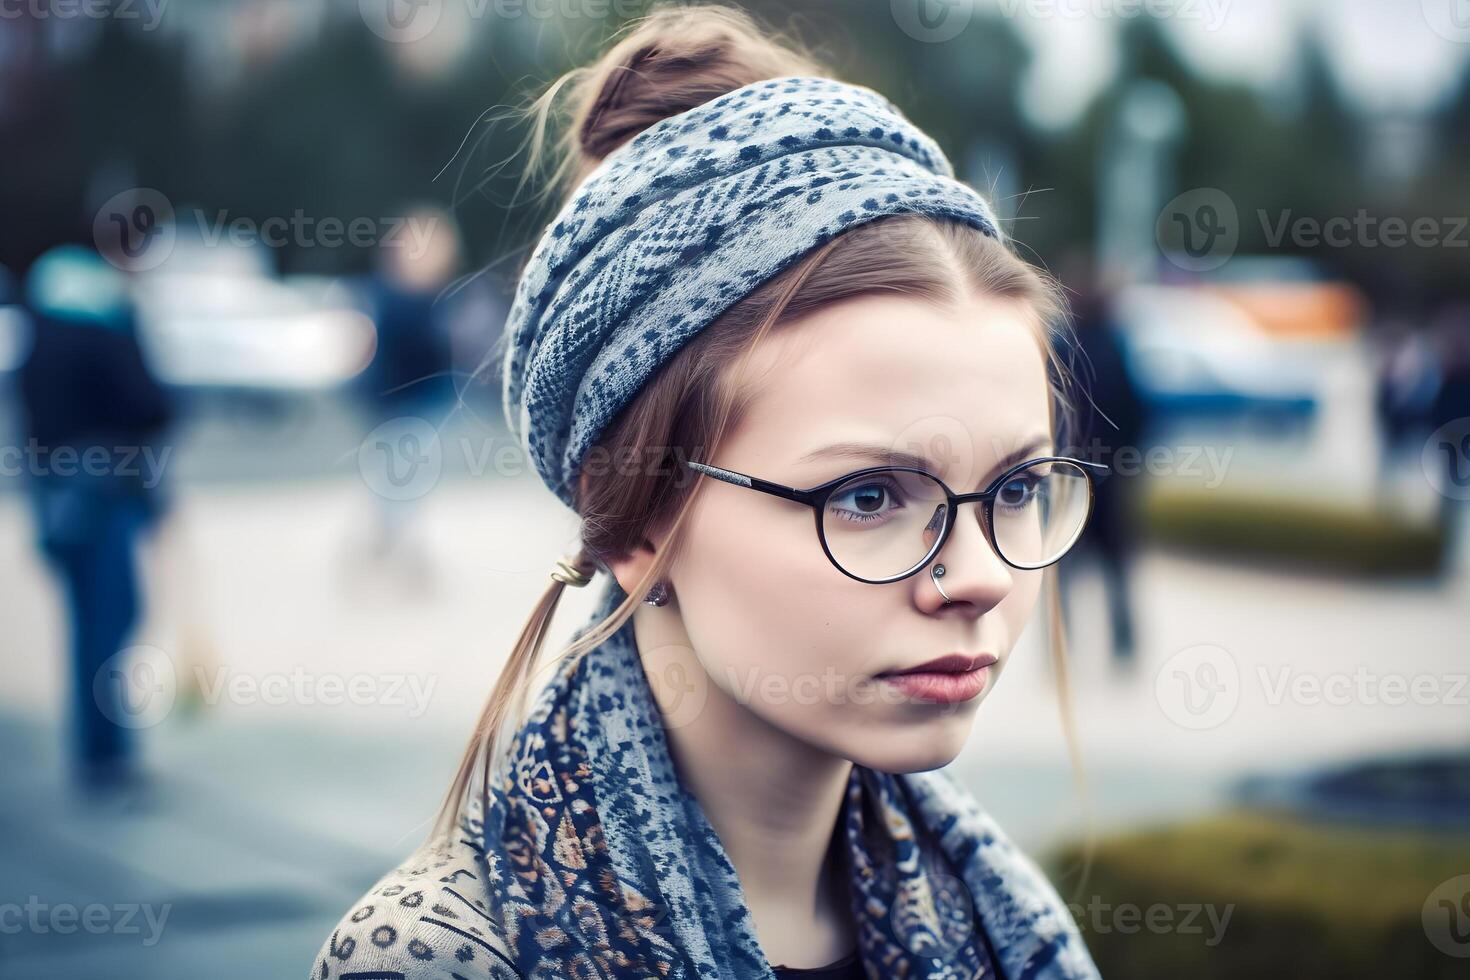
x=884 y=523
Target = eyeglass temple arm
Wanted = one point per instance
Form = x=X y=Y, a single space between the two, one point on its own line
x=751 y=482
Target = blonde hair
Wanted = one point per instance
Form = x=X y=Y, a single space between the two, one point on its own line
x=671 y=60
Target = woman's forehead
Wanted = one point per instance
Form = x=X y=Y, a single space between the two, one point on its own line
x=968 y=381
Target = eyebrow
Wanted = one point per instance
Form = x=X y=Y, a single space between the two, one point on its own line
x=885 y=455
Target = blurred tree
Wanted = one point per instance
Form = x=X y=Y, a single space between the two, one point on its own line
x=336 y=126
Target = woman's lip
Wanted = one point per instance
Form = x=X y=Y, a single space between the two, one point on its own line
x=943 y=687
x=950 y=663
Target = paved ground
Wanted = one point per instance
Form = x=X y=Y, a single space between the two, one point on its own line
x=269 y=818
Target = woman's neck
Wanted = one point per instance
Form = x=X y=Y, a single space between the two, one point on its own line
x=773 y=799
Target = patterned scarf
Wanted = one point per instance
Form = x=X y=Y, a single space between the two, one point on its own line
x=592 y=860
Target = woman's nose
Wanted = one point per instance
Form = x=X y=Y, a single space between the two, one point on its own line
x=973 y=572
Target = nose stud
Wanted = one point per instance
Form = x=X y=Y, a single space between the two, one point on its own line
x=936 y=575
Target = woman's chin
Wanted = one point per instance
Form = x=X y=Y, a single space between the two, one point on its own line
x=924 y=755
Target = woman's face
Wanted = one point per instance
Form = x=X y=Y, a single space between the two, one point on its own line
x=781 y=632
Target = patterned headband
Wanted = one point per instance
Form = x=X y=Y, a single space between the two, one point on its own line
x=683 y=221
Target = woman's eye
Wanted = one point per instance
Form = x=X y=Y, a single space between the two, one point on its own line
x=1018 y=493
x=869 y=502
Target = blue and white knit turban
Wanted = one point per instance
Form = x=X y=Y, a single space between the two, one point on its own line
x=683 y=221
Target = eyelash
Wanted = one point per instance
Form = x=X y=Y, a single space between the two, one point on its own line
x=862 y=518
x=1031 y=484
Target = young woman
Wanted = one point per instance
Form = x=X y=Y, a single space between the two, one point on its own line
x=805 y=398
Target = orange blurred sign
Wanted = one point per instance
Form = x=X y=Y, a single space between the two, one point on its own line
x=1299 y=309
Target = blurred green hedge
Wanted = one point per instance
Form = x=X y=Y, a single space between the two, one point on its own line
x=1311 y=534
x=1292 y=899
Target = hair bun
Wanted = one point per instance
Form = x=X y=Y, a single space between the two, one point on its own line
x=671 y=60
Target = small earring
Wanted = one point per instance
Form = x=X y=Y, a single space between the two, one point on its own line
x=658 y=595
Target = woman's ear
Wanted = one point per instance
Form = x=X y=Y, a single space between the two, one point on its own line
x=629 y=568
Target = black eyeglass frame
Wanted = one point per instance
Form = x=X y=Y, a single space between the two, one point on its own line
x=818 y=496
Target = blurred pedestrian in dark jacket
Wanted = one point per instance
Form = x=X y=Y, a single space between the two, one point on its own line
x=408 y=389
x=1111 y=416
x=1450 y=417
x=94 y=424
x=1407 y=378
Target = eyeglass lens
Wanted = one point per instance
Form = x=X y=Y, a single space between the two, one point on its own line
x=880 y=525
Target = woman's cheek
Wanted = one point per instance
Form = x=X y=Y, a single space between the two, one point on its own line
x=1020 y=605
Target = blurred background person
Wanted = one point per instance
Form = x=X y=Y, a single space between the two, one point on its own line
x=1110 y=417
x=1407 y=382
x=1449 y=418
x=97 y=422
x=412 y=302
